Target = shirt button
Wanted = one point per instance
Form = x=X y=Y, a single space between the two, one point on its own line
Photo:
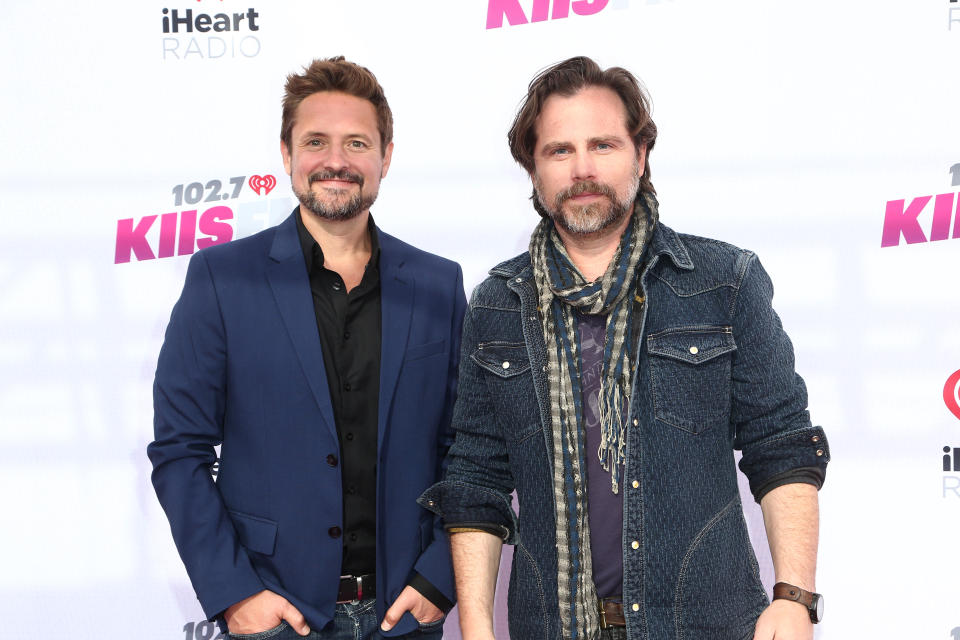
x=349 y=436
x=815 y=439
x=353 y=537
x=819 y=452
x=334 y=532
x=694 y=350
x=635 y=484
x=635 y=606
x=347 y=387
x=336 y=286
x=346 y=335
x=636 y=422
x=635 y=545
x=351 y=490
x=505 y=365
x=332 y=460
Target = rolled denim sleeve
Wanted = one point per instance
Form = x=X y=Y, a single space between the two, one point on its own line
x=769 y=399
x=475 y=491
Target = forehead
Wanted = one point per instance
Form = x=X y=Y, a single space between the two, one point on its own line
x=589 y=113
x=335 y=112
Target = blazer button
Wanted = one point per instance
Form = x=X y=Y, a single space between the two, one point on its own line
x=334 y=532
x=332 y=460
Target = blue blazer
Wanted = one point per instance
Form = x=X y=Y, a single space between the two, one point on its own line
x=241 y=367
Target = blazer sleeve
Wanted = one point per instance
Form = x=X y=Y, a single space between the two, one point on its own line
x=434 y=564
x=189 y=394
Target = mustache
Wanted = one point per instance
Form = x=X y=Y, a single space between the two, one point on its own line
x=587 y=186
x=342 y=174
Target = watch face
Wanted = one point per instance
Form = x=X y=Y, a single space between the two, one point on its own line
x=818 y=607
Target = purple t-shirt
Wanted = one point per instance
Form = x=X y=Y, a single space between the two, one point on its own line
x=604 y=507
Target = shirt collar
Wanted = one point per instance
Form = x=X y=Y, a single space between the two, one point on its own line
x=313 y=252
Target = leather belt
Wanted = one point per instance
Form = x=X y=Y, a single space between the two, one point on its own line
x=611 y=614
x=353 y=589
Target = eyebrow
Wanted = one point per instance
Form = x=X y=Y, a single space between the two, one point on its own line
x=559 y=144
x=314 y=134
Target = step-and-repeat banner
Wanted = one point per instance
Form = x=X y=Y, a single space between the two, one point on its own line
x=823 y=135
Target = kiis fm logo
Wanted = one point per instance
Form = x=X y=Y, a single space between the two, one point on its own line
x=183 y=232
x=497 y=10
x=903 y=220
x=180 y=43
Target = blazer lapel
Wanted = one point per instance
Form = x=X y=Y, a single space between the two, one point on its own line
x=396 y=306
x=291 y=290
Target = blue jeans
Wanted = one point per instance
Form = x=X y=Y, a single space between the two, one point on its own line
x=351 y=622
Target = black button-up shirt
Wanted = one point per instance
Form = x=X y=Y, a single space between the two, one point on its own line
x=349 y=326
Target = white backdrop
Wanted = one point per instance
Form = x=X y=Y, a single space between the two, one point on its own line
x=785 y=128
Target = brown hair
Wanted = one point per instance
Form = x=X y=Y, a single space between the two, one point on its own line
x=568 y=78
x=335 y=74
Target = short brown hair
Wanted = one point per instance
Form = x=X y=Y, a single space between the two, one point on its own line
x=568 y=78
x=335 y=74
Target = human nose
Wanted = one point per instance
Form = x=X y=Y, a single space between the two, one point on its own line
x=335 y=158
x=583 y=167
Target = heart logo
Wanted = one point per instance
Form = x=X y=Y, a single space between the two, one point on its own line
x=951 y=394
x=265 y=183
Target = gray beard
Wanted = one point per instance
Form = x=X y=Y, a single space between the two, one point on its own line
x=587 y=219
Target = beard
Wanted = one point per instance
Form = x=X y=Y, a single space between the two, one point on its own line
x=589 y=218
x=344 y=210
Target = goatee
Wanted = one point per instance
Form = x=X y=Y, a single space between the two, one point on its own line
x=588 y=218
x=345 y=210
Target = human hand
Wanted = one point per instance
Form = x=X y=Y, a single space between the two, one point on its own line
x=410 y=600
x=263 y=611
x=784 y=620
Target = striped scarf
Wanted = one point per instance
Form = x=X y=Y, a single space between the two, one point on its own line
x=562 y=291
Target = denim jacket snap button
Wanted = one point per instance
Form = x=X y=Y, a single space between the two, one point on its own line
x=694 y=350
x=505 y=365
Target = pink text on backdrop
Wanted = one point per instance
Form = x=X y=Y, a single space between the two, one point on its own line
x=497 y=10
x=132 y=234
x=902 y=219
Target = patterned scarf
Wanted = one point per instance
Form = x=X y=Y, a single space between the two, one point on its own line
x=563 y=291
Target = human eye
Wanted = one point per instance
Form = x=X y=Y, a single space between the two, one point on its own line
x=357 y=145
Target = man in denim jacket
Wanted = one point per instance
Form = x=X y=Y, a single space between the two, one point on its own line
x=607 y=375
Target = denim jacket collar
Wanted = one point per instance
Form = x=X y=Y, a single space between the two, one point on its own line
x=665 y=241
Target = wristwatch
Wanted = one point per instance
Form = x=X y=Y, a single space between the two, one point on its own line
x=812 y=601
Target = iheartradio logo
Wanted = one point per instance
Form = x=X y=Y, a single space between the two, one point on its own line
x=951 y=394
x=262 y=185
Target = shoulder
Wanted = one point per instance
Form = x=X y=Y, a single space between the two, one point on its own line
x=696 y=263
x=241 y=253
x=411 y=256
x=493 y=290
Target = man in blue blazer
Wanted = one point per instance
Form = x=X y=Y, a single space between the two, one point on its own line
x=321 y=355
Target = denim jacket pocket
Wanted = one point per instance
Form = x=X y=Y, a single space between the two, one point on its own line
x=504 y=359
x=511 y=387
x=690 y=376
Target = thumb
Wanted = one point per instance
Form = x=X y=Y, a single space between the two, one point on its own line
x=392 y=616
x=296 y=620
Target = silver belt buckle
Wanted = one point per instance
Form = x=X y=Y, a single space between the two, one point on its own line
x=359 y=580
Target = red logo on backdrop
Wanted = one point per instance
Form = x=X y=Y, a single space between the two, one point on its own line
x=266 y=183
x=951 y=394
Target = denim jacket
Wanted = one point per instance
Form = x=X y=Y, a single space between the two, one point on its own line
x=714 y=373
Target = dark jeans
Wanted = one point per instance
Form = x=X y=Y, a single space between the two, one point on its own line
x=351 y=622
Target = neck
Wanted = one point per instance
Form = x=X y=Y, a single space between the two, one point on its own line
x=591 y=253
x=340 y=239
